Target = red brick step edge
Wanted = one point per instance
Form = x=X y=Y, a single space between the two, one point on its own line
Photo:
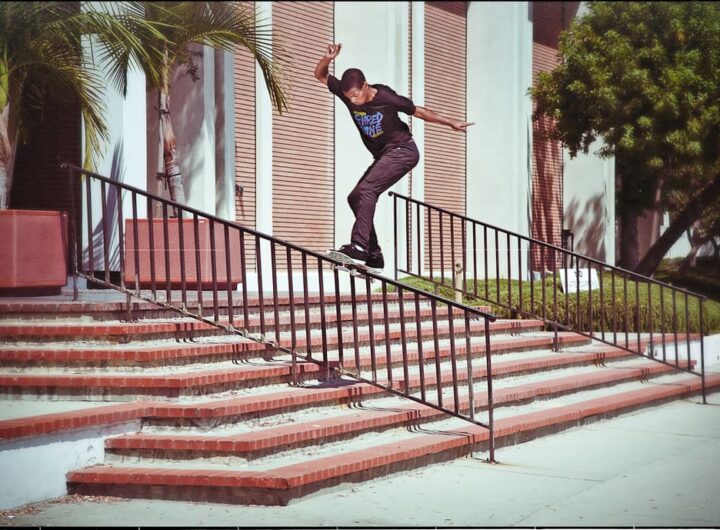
x=280 y=485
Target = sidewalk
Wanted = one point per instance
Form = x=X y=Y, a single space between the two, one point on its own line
x=658 y=468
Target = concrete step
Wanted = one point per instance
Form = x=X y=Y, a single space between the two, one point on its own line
x=118 y=384
x=142 y=356
x=343 y=392
x=185 y=328
x=111 y=305
x=204 y=401
x=320 y=428
x=72 y=356
x=280 y=484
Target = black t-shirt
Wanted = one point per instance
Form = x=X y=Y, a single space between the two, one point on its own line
x=378 y=121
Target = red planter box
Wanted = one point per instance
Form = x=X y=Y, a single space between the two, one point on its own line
x=33 y=251
x=158 y=250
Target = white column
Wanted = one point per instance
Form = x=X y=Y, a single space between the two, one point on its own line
x=383 y=59
x=418 y=96
x=499 y=59
x=263 y=150
x=123 y=158
x=589 y=198
x=225 y=135
x=589 y=204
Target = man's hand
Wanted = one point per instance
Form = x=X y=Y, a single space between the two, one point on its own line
x=433 y=117
x=333 y=50
x=321 y=69
x=460 y=125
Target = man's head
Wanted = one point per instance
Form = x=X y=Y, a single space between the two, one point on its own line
x=355 y=87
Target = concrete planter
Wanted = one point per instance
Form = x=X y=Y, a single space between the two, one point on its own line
x=33 y=252
x=144 y=252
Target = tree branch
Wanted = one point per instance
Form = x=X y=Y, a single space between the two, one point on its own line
x=692 y=211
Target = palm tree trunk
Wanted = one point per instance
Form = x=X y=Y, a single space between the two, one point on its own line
x=7 y=156
x=168 y=140
x=170 y=159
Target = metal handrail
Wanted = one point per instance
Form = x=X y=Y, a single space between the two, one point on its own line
x=428 y=220
x=131 y=283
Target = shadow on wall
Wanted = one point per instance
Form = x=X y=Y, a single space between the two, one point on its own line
x=110 y=226
x=546 y=201
x=187 y=113
x=587 y=221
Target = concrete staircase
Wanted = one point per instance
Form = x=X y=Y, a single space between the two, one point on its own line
x=199 y=414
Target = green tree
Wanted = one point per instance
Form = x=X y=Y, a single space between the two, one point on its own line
x=222 y=25
x=42 y=63
x=644 y=77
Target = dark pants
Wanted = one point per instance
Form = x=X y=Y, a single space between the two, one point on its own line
x=392 y=165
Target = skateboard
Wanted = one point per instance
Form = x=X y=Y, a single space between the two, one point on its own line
x=348 y=265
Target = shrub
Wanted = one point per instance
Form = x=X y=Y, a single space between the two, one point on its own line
x=641 y=311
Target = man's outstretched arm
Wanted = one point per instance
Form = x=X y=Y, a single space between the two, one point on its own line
x=321 y=69
x=433 y=117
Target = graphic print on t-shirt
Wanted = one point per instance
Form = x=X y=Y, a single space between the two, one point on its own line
x=370 y=124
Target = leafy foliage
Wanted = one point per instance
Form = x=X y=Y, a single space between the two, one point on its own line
x=643 y=77
x=220 y=25
x=42 y=62
x=636 y=311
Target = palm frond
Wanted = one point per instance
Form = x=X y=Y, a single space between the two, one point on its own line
x=227 y=26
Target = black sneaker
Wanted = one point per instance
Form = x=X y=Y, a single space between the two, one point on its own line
x=375 y=261
x=354 y=252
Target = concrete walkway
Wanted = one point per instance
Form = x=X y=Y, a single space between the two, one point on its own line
x=657 y=467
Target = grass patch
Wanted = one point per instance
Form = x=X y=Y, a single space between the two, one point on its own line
x=639 y=313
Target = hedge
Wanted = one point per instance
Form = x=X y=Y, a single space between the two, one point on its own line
x=573 y=309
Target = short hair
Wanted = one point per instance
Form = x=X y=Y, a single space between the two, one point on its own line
x=352 y=78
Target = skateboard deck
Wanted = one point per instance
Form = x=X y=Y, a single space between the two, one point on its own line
x=347 y=264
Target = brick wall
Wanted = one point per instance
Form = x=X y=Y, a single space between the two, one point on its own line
x=549 y=18
x=39 y=183
x=303 y=137
x=445 y=93
x=245 y=156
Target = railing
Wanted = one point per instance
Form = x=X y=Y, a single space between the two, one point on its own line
x=523 y=276
x=177 y=258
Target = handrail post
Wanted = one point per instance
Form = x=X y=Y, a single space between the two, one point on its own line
x=395 y=238
x=702 y=352
x=73 y=239
x=491 y=423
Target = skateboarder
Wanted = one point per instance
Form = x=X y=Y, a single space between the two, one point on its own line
x=374 y=108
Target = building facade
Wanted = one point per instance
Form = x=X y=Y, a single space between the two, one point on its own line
x=289 y=175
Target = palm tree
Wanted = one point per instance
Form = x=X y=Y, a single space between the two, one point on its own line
x=221 y=25
x=42 y=62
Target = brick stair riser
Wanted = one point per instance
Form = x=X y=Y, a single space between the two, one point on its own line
x=17 y=356
x=128 y=332
x=104 y=311
x=134 y=387
x=180 y=353
x=408 y=454
x=183 y=354
x=171 y=328
x=477 y=348
x=131 y=388
x=477 y=332
x=279 y=486
x=140 y=387
x=232 y=413
x=346 y=318
x=114 y=335
x=336 y=429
